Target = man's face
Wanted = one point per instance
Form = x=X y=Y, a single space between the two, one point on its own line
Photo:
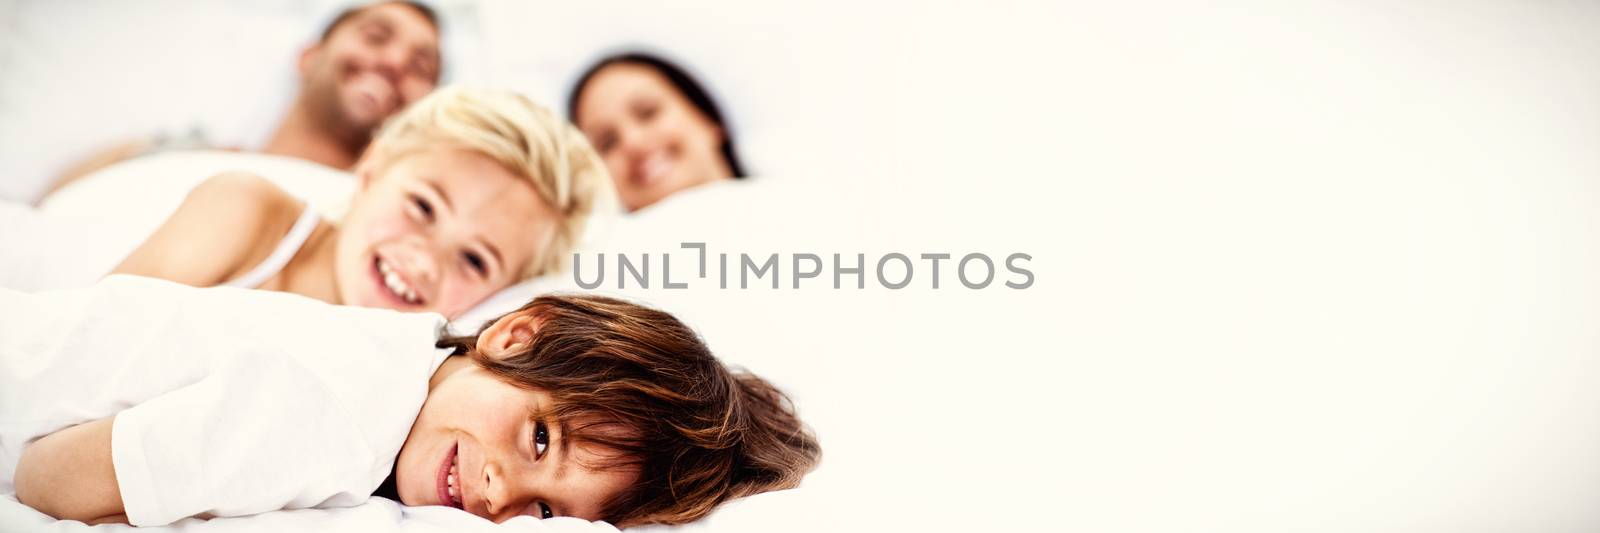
x=370 y=67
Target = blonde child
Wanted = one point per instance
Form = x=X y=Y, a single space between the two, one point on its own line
x=466 y=192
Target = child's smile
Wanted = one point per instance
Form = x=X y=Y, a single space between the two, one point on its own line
x=395 y=283
x=450 y=480
x=480 y=445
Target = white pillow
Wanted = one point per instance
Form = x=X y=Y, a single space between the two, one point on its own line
x=83 y=75
x=80 y=76
x=659 y=228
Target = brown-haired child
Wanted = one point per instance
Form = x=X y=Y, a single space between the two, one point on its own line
x=573 y=405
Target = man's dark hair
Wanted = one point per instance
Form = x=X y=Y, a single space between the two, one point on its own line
x=347 y=14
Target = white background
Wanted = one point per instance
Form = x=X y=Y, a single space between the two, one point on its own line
x=1302 y=266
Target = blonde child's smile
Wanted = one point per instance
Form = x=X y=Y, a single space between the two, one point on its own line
x=395 y=282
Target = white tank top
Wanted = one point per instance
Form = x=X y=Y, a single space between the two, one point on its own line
x=281 y=255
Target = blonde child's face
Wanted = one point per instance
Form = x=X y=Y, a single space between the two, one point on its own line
x=482 y=445
x=438 y=230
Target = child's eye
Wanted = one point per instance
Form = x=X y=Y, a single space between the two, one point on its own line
x=544 y=511
x=477 y=263
x=541 y=440
x=423 y=207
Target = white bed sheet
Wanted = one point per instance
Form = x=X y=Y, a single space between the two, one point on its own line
x=789 y=510
x=377 y=514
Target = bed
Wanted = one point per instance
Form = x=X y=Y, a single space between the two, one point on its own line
x=379 y=514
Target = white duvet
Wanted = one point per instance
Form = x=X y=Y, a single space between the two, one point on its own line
x=776 y=511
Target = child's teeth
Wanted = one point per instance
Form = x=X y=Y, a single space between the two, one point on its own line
x=395 y=284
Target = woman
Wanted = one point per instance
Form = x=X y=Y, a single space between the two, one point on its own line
x=658 y=130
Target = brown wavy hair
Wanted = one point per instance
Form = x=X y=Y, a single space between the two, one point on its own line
x=637 y=382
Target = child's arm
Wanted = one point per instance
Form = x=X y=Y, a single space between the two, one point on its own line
x=68 y=475
x=212 y=234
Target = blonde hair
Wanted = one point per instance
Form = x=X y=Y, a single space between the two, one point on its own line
x=524 y=137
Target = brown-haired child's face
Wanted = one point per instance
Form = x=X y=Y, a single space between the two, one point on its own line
x=482 y=445
x=438 y=230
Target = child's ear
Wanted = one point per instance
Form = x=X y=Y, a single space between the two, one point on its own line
x=508 y=335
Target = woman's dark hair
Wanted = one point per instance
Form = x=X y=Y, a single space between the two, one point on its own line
x=680 y=80
x=647 y=391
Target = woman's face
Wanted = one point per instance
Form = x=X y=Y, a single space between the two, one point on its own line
x=438 y=230
x=482 y=445
x=654 y=141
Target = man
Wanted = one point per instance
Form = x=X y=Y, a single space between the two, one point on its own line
x=369 y=63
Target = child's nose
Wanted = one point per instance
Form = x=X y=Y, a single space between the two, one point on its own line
x=494 y=492
x=420 y=264
x=503 y=495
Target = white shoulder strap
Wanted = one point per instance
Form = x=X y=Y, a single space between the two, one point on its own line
x=281 y=255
